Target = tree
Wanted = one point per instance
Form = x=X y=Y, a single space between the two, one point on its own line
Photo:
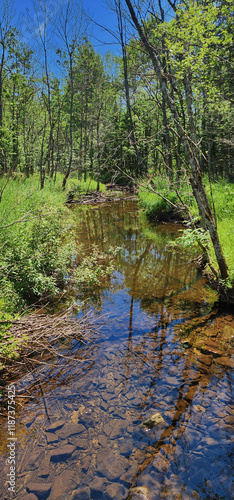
x=186 y=134
x=71 y=28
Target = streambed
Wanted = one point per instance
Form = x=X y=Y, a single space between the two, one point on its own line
x=159 y=348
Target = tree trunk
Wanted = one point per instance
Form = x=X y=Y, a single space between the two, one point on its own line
x=189 y=143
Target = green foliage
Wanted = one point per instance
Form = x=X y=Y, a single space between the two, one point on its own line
x=79 y=186
x=36 y=261
x=155 y=207
x=93 y=271
x=158 y=208
x=191 y=237
x=36 y=253
x=223 y=196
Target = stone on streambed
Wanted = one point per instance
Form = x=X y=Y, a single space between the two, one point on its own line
x=81 y=494
x=111 y=465
x=156 y=419
x=70 y=429
x=97 y=486
x=115 y=491
x=56 y=425
x=51 y=438
x=65 y=482
x=62 y=453
x=139 y=493
x=41 y=490
x=119 y=429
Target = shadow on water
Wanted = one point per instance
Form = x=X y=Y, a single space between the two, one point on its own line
x=162 y=349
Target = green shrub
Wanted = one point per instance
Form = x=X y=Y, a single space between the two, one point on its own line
x=36 y=260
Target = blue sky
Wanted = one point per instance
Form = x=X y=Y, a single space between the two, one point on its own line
x=98 y=10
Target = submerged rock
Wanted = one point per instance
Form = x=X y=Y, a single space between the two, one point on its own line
x=56 y=425
x=115 y=491
x=156 y=419
x=41 y=490
x=81 y=494
x=111 y=465
x=139 y=493
x=62 y=453
x=97 y=486
x=64 y=483
x=70 y=429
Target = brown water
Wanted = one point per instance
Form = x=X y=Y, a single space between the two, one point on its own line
x=159 y=348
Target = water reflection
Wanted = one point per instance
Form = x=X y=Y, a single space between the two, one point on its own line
x=82 y=428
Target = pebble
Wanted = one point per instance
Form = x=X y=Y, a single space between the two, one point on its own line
x=56 y=425
x=211 y=347
x=97 y=486
x=119 y=429
x=79 y=442
x=64 y=483
x=62 y=453
x=41 y=490
x=139 y=493
x=69 y=429
x=206 y=359
x=81 y=494
x=111 y=465
x=154 y=420
x=225 y=361
x=161 y=463
x=116 y=491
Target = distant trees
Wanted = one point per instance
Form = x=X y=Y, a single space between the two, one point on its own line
x=162 y=105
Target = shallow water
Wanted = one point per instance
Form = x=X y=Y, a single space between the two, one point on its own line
x=158 y=348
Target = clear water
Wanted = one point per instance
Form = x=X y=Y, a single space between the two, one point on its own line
x=152 y=352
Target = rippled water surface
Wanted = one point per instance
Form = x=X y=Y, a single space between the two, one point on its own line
x=158 y=348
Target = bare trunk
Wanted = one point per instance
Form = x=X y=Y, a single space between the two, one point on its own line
x=71 y=124
x=189 y=143
x=132 y=135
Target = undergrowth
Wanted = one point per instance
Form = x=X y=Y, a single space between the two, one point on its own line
x=37 y=248
x=36 y=240
x=221 y=193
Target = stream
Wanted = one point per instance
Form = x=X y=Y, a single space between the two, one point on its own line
x=160 y=348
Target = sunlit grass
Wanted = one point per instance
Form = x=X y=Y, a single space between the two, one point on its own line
x=221 y=193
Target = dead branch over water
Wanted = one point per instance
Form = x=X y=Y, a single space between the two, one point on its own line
x=43 y=334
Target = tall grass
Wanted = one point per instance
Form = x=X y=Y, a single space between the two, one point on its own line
x=221 y=193
x=36 y=239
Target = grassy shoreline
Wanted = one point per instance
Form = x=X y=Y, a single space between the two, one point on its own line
x=220 y=192
x=37 y=247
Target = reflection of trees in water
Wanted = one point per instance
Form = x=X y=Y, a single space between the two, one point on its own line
x=171 y=292
x=151 y=272
x=163 y=444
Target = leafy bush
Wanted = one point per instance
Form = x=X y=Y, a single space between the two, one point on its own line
x=35 y=263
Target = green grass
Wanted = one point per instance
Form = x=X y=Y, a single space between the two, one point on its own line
x=36 y=240
x=37 y=246
x=78 y=186
x=223 y=196
x=156 y=208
